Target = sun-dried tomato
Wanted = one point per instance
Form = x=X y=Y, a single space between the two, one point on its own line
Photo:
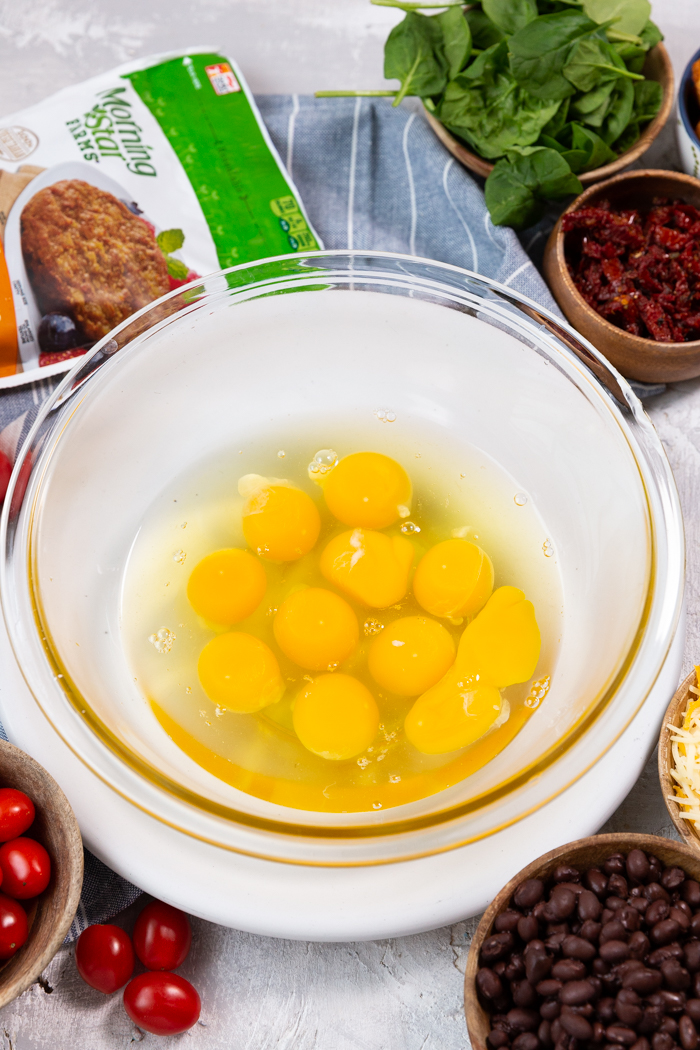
x=639 y=269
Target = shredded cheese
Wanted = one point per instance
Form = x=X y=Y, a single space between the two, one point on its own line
x=685 y=748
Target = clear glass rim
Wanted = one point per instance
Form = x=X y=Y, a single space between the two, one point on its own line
x=665 y=590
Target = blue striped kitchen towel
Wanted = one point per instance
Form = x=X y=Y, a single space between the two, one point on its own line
x=371 y=177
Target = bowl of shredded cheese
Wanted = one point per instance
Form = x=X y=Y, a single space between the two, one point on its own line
x=679 y=759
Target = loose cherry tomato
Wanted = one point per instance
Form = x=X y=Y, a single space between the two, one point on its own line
x=162 y=1003
x=16 y=808
x=26 y=868
x=13 y=926
x=162 y=936
x=104 y=957
x=5 y=472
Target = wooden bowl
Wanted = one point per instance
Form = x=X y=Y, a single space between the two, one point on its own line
x=656 y=67
x=674 y=716
x=637 y=358
x=50 y=914
x=581 y=854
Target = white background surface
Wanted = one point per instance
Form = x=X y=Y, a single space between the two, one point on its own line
x=258 y=993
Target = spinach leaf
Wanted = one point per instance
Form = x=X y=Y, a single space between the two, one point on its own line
x=593 y=61
x=487 y=108
x=539 y=52
x=651 y=35
x=456 y=39
x=518 y=186
x=592 y=108
x=648 y=96
x=413 y=54
x=577 y=137
x=575 y=158
x=628 y=137
x=485 y=33
x=633 y=55
x=510 y=15
x=630 y=15
x=620 y=112
x=558 y=120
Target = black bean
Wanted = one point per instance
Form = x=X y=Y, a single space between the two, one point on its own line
x=670 y=1025
x=614 y=951
x=641 y=1044
x=554 y=943
x=617 y=886
x=497 y=1039
x=680 y=917
x=620 y=1034
x=670 y=951
x=528 y=893
x=606 y=1011
x=627 y=967
x=687 y=1032
x=515 y=970
x=550 y=1009
x=615 y=864
x=574 y=1024
x=499 y=1021
x=538 y=909
x=598 y=1032
x=639 y=945
x=657 y=911
x=656 y=892
x=574 y=993
x=526 y=1041
x=675 y=976
x=690 y=892
x=500 y=967
x=637 y=866
x=488 y=983
x=600 y=968
x=653 y=1016
x=596 y=881
x=544 y=1033
x=521 y=1020
x=629 y=918
x=615 y=904
x=496 y=947
x=684 y=906
x=507 y=920
x=695 y=925
x=655 y=868
x=569 y=970
x=672 y=878
x=674 y=1002
x=628 y=1007
x=661 y=1041
x=537 y=967
x=692 y=1008
x=589 y=906
x=548 y=987
x=639 y=904
x=578 y=948
x=607 y=915
x=613 y=931
x=528 y=927
x=665 y=931
x=557 y=1030
x=523 y=993
x=645 y=982
x=590 y=931
x=560 y=905
x=565 y=873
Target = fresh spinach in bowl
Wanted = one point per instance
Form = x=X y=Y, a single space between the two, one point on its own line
x=545 y=88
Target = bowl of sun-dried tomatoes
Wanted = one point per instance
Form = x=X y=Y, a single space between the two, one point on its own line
x=623 y=262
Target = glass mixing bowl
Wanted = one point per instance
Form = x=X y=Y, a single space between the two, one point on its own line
x=408 y=344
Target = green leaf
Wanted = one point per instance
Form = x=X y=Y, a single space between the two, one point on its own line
x=176 y=269
x=630 y=15
x=170 y=240
x=485 y=33
x=620 y=112
x=599 y=153
x=592 y=108
x=413 y=54
x=456 y=39
x=651 y=35
x=517 y=187
x=510 y=15
x=632 y=55
x=539 y=52
x=628 y=138
x=559 y=119
x=593 y=61
x=487 y=108
x=648 y=96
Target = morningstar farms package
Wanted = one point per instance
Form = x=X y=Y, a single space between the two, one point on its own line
x=125 y=187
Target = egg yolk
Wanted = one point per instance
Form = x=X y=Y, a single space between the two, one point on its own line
x=280 y=523
x=453 y=714
x=227 y=586
x=454 y=578
x=316 y=628
x=368 y=489
x=369 y=566
x=502 y=644
x=410 y=655
x=240 y=673
x=336 y=717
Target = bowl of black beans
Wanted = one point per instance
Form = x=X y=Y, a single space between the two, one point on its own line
x=594 y=946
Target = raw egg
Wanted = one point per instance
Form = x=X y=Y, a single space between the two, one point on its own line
x=316 y=628
x=369 y=566
x=280 y=522
x=368 y=489
x=239 y=672
x=502 y=644
x=336 y=717
x=454 y=578
x=453 y=714
x=227 y=586
x=410 y=655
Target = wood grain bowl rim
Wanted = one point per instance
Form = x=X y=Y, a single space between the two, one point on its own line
x=674 y=716
x=581 y=853
x=484 y=167
x=555 y=248
x=55 y=825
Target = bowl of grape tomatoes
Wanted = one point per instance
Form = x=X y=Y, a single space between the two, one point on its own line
x=623 y=263
x=41 y=870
